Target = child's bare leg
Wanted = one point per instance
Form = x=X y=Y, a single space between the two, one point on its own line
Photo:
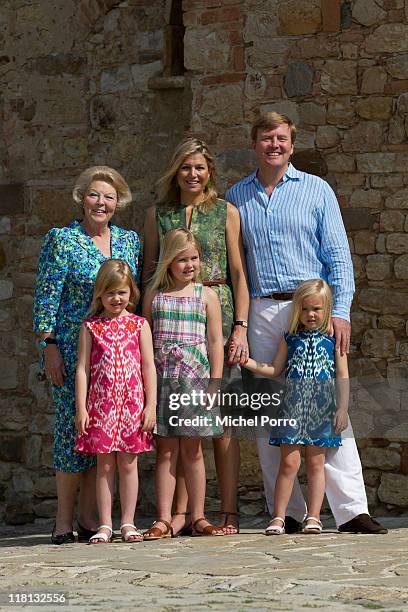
x=315 y=457
x=194 y=469
x=166 y=466
x=179 y=519
x=105 y=485
x=128 y=489
x=288 y=469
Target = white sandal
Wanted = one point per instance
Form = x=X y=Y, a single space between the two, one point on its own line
x=316 y=527
x=275 y=529
x=132 y=533
x=101 y=537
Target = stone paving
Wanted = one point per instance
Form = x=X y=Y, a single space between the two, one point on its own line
x=244 y=572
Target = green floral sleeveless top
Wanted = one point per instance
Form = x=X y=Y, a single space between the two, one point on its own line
x=209 y=228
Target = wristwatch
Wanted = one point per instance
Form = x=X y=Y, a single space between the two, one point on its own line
x=242 y=322
x=43 y=343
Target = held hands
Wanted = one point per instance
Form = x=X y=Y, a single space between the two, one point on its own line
x=82 y=421
x=54 y=365
x=237 y=346
x=148 y=418
x=340 y=420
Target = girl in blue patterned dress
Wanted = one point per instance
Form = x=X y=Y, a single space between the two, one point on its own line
x=311 y=415
x=69 y=262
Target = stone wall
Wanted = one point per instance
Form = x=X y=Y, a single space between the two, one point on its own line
x=101 y=81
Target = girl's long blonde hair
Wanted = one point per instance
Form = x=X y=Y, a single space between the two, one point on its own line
x=306 y=289
x=167 y=185
x=112 y=274
x=174 y=242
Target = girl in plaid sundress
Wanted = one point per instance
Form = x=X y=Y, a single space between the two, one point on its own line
x=188 y=346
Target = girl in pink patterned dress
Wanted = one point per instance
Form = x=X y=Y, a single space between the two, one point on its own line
x=115 y=394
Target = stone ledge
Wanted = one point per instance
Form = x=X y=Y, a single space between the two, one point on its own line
x=167 y=82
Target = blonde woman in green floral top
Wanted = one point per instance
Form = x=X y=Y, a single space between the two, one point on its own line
x=188 y=198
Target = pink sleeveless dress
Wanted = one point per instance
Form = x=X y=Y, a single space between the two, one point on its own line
x=116 y=395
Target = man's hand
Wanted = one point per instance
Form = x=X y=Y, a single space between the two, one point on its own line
x=341 y=330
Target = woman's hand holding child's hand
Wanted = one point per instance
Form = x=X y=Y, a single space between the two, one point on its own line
x=148 y=418
x=340 y=420
x=82 y=421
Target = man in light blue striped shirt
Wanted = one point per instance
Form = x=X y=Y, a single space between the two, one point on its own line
x=293 y=231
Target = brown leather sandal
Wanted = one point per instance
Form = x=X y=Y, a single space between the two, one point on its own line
x=208 y=530
x=228 y=525
x=157 y=533
x=186 y=530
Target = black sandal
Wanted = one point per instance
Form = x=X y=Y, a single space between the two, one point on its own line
x=84 y=534
x=62 y=538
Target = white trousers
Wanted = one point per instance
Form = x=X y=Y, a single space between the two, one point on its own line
x=345 y=490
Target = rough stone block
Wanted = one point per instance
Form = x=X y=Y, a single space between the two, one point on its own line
x=312 y=113
x=338 y=162
x=142 y=73
x=368 y=12
x=374 y=80
x=308 y=17
x=396 y=131
x=398 y=199
x=366 y=198
x=378 y=343
x=6 y=288
x=11 y=199
x=116 y=79
x=215 y=108
x=331 y=15
x=340 y=112
x=299 y=79
x=364 y=242
x=376 y=108
x=204 y=48
x=385 y=302
x=388 y=38
x=12 y=448
x=47 y=508
x=368 y=132
x=19 y=512
x=394 y=489
x=44 y=486
x=371 y=163
x=397 y=243
x=327 y=136
x=401 y=267
x=392 y=221
x=379 y=267
x=397 y=66
x=8 y=373
x=358 y=268
x=339 y=77
x=360 y=321
x=356 y=219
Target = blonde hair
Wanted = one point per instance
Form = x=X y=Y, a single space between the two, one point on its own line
x=311 y=287
x=112 y=274
x=271 y=121
x=107 y=175
x=174 y=242
x=168 y=188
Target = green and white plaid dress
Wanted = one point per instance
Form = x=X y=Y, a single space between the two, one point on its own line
x=180 y=348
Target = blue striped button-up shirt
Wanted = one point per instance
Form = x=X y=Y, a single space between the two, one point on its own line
x=294 y=235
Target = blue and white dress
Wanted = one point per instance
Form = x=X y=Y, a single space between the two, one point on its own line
x=310 y=393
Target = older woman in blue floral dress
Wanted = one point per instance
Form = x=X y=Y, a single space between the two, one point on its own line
x=69 y=262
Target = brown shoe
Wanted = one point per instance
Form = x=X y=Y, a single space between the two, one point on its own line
x=208 y=530
x=157 y=533
x=362 y=523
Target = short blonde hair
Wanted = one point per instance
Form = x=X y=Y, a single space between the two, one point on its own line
x=174 y=242
x=271 y=121
x=168 y=188
x=306 y=289
x=112 y=274
x=106 y=174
